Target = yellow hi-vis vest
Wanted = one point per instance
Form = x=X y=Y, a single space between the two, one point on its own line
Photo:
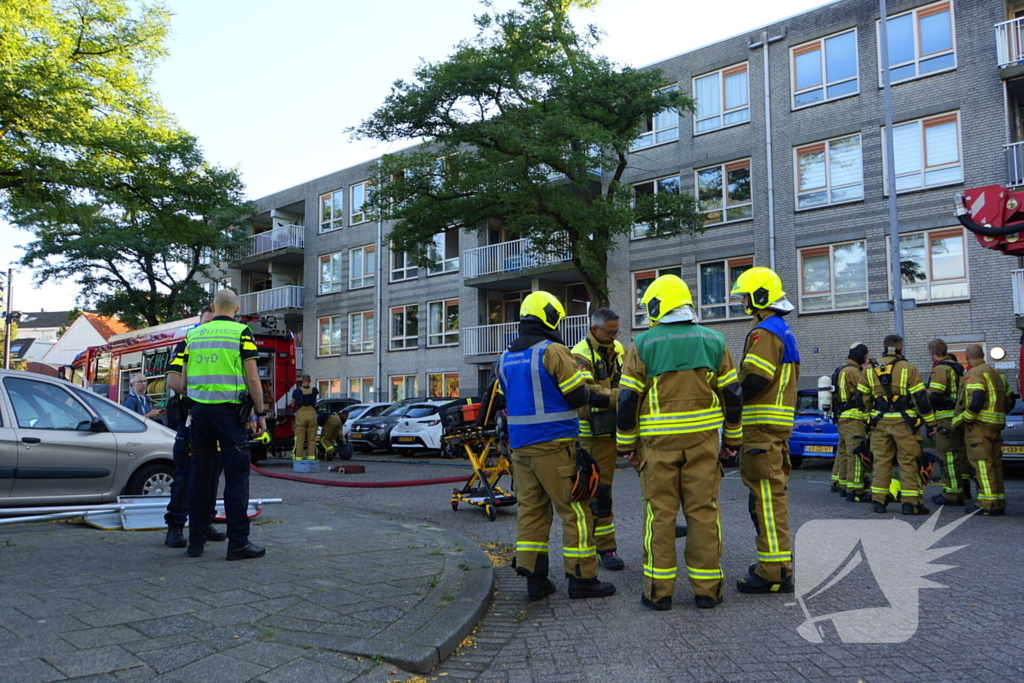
x=215 y=373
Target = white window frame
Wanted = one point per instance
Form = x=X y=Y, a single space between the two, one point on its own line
x=639 y=310
x=652 y=135
x=726 y=206
x=361 y=388
x=359 y=320
x=436 y=250
x=924 y=169
x=337 y=284
x=336 y=220
x=358 y=207
x=728 y=264
x=445 y=377
x=445 y=336
x=640 y=230
x=404 y=381
x=929 y=282
x=801 y=254
x=329 y=388
x=367 y=266
x=409 y=270
x=928 y=10
x=828 y=188
x=722 y=74
x=821 y=45
x=404 y=341
x=334 y=329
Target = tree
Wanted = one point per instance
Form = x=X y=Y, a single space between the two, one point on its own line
x=135 y=244
x=524 y=125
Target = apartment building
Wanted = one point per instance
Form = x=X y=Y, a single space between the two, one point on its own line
x=786 y=155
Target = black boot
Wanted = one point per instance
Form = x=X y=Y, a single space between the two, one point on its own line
x=589 y=588
x=215 y=534
x=941 y=499
x=983 y=512
x=661 y=605
x=610 y=560
x=911 y=509
x=175 y=537
x=842 y=493
x=538 y=587
x=706 y=601
x=755 y=584
x=680 y=530
x=878 y=507
x=834 y=488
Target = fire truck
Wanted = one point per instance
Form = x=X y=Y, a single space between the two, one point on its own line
x=107 y=370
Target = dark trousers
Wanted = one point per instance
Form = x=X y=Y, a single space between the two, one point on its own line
x=216 y=425
x=177 y=507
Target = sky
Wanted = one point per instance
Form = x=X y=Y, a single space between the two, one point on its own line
x=270 y=87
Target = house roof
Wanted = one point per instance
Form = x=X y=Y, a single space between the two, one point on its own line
x=20 y=346
x=43 y=319
x=107 y=327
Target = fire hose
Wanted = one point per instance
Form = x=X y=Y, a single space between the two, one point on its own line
x=360 y=484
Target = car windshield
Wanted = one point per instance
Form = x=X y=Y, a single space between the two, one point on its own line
x=422 y=411
x=807 y=404
x=397 y=410
x=352 y=409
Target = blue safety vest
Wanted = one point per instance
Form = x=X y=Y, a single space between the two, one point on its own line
x=537 y=410
x=780 y=328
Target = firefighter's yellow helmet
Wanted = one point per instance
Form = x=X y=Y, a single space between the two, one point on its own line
x=762 y=287
x=545 y=306
x=664 y=295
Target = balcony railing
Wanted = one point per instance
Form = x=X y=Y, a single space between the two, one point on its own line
x=298 y=358
x=508 y=257
x=272 y=240
x=1014 y=155
x=489 y=340
x=1010 y=42
x=268 y=300
x=1018 y=291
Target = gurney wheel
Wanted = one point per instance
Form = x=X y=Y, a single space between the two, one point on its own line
x=455 y=506
x=492 y=513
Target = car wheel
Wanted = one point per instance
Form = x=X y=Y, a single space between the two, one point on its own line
x=796 y=461
x=151 y=480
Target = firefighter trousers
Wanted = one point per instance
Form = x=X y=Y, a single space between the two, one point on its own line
x=985 y=453
x=544 y=476
x=305 y=433
x=331 y=433
x=956 y=471
x=851 y=435
x=765 y=467
x=605 y=452
x=687 y=478
x=893 y=442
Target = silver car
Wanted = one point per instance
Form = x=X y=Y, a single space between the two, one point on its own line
x=1013 y=435
x=62 y=444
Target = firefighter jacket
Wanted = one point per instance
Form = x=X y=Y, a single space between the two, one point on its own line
x=770 y=352
x=944 y=387
x=534 y=381
x=850 y=404
x=983 y=398
x=904 y=401
x=601 y=366
x=679 y=384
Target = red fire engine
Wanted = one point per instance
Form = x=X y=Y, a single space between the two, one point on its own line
x=107 y=369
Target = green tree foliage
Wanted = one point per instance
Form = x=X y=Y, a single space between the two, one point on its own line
x=526 y=127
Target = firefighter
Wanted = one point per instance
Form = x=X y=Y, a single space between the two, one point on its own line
x=599 y=357
x=331 y=437
x=851 y=422
x=304 y=403
x=679 y=387
x=543 y=389
x=768 y=375
x=899 y=403
x=981 y=411
x=943 y=389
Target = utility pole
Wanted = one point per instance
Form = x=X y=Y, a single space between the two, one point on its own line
x=8 y=319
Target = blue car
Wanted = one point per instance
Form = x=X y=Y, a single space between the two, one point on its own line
x=814 y=434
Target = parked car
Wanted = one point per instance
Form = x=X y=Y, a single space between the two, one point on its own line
x=61 y=444
x=335 y=405
x=424 y=424
x=359 y=411
x=369 y=433
x=814 y=433
x=1013 y=434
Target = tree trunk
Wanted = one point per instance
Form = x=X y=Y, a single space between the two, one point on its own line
x=596 y=283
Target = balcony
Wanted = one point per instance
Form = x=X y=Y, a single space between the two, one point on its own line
x=1014 y=155
x=486 y=341
x=509 y=266
x=1017 y=282
x=1010 y=43
x=288 y=299
x=283 y=245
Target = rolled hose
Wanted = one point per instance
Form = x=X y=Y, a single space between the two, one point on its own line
x=360 y=484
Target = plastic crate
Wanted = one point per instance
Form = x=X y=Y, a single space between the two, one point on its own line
x=470 y=413
x=306 y=466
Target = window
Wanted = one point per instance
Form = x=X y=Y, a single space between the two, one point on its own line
x=332 y=210
x=38 y=405
x=359 y=193
x=715 y=285
x=403 y=266
x=444 y=252
x=443 y=385
x=443 y=323
x=927 y=152
x=829 y=172
x=330 y=273
x=724 y=192
x=404 y=386
x=362 y=267
x=920 y=43
x=330 y=336
x=722 y=99
x=662 y=127
x=116 y=419
x=825 y=69
x=641 y=281
x=933 y=265
x=834 y=277
x=669 y=184
x=360 y=332
x=405 y=327
x=361 y=389
x=329 y=388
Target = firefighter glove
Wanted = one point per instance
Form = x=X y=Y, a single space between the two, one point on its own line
x=867 y=458
x=925 y=465
x=587 y=476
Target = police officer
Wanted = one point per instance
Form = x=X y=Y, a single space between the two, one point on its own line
x=981 y=411
x=943 y=390
x=894 y=389
x=304 y=403
x=177 y=506
x=679 y=387
x=851 y=422
x=219 y=365
x=769 y=373
x=543 y=388
x=599 y=356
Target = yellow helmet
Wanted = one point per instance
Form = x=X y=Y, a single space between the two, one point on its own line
x=664 y=295
x=545 y=306
x=763 y=289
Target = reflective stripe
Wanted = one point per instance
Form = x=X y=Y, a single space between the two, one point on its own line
x=660 y=572
x=583 y=549
x=212 y=379
x=628 y=440
x=835 y=477
x=532 y=546
x=950 y=468
x=218 y=343
x=986 y=486
x=604 y=530
x=695 y=573
x=681 y=423
x=875 y=489
x=648 y=533
x=213 y=395
x=728 y=378
x=571 y=383
x=761 y=363
x=944 y=414
x=631 y=383
x=768 y=510
x=775 y=557
x=579 y=552
x=540 y=419
x=997 y=496
x=732 y=433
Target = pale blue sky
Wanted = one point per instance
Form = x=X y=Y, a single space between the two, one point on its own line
x=269 y=87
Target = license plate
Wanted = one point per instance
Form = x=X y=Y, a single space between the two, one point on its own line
x=1013 y=449
x=407 y=439
x=355 y=435
x=817 y=449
